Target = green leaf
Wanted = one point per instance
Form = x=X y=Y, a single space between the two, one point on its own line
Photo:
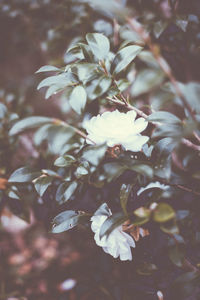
x=64 y=161
x=124 y=194
x=65 y=191
x=148 y=58
x=42 y=183
x=143 y=169
x=113 y=170
x=61 y=80
x=146 y=80
x=78 y=99
x=164 y=117
x=47 y=69
x=25 y=174
x=103 y=210
x=124 y=57
x=111 y=223
x=82 y=170
x=65 y=221
x=94 y=154
x=85 y=71
x=99 y=45
x=163 y=213
x=98 y=86
x=29 y=123
x=177 y=252
x=191 y=91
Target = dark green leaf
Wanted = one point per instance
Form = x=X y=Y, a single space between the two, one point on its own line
x=65 y=221
x=124 y=194
x=94 y=154
x=24 y=174
x=65 y=191
x=146 y=80
x=164 y=117
x=47 y=69
x=78 y=99
x=29 y=123
x=124 y=57
x=99 y=45
x=42 y=183
x=64 y=161
x=111 y=223
x=103 y=210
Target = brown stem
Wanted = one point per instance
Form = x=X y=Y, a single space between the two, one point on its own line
x=189 y=144
x=128 y=106
x=81 y=133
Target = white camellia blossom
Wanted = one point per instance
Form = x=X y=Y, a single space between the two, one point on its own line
x=118 y=243
x=116 y=128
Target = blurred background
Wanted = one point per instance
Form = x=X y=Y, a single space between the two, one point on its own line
x=35 y=264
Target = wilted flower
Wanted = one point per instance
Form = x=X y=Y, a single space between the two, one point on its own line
x=116 y=128
x=118 y=243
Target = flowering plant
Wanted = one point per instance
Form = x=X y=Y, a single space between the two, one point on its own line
x=127 y=134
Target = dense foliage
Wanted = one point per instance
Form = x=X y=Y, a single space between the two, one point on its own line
x=119 y=146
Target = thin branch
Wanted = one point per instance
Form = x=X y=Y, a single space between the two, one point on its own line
x=128 y=106
x=189 y=144
x=79 y=132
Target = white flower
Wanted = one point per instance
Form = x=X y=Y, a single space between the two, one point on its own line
x=116 y=128
x=152 y=185
x=118 y=243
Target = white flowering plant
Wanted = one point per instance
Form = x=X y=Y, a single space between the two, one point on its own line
x=123 y=159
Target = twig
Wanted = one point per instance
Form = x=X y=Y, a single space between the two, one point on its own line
x=189 y=144
x=128 y=106
x=81 y=133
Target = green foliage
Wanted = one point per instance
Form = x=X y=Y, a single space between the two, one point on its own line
x=119 y=66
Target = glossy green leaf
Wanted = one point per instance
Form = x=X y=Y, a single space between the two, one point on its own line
x=65 y=191
x=124 y=194
x=111 y=223
x=65 y=221
x=25 y=174
x=98 y=86
x=99 y=45
x=61 y=80
x=94 y=154
x=47 y=69
x=78 y=99
x=164 y=117
x=64 y=161
x=124 y=57
x=103 y=210
x=42 y=183
x=29 y=123
x=147 y=80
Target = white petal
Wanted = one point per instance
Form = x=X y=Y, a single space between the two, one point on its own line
x=135 y=143
x=139 y=125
